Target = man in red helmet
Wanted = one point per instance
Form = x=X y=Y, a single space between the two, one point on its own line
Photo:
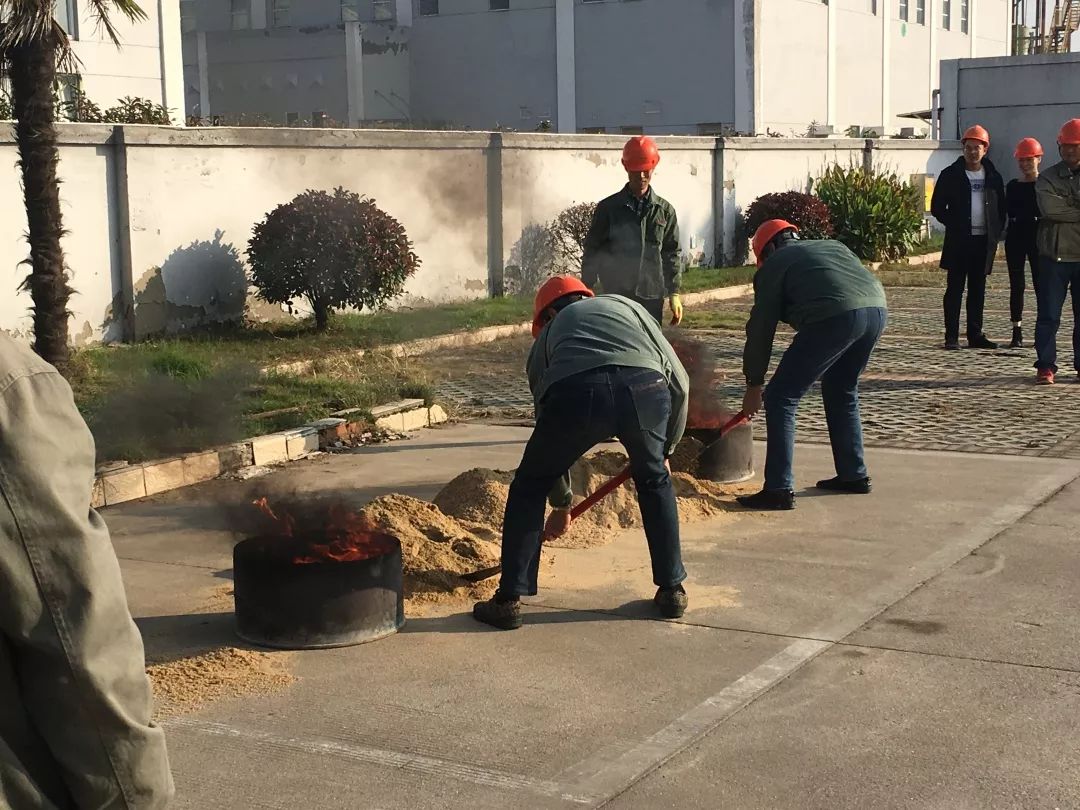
x=837 y=307
x=969 y=200
x=600 y=367
x=632 y=248
x=1058 y=240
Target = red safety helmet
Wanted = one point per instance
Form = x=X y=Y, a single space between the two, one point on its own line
x=976 y=133
x=551 y=291
x=1070 y=133
x=768 y=231
x=640 y=154
x=1028 y=148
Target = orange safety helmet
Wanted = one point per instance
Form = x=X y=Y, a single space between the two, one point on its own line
x=768 y=231
x=976 y=133
x=1070 y=132
x=640 y=154
x=551 y=291
x=1028 y=148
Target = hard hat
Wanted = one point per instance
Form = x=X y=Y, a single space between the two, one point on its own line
x=976 y=133
x=1070 y=132
x=768 y=231
x=551 y=291
x=640 y=154
x=1028 y=148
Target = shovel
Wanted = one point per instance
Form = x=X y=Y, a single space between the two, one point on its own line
x=606 y=489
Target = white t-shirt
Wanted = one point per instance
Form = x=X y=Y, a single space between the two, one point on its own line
x=978 y=201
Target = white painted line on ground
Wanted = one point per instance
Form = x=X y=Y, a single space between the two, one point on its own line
x=430 y=766
x=608 y=778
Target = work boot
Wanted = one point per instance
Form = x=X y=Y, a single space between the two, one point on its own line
x=769 y=500
x=671 y=602
x=505 y=614
x=860 y=486
x=1017 y=341
x=952 y=344
x=981 y=342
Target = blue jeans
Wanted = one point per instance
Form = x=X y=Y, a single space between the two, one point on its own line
x=1055 y=279
x=835 y=351
x=577 y=413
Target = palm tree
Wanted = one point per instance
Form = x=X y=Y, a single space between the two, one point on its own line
x=32 y=46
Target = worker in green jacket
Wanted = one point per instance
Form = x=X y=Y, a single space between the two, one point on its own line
x=837 y=307
x=632 y=247
x=600 y=367
x=75 y=702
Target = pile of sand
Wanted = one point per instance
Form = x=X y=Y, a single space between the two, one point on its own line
x=479 y=497
x=187 y=684
x=436 y=549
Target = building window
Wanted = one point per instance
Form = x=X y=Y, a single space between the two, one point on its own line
x=946 y=14
x=631 y=130
x=350 y=10
x=427 y=8
x=67 y=14
x=292 y=119
x=499 y=5
x=903 y=10
x=318 y=119
x=188 y=20
x=964 y=9
x=920 y=12
x=279 y=13
x=594 y=1
x=241 y=15
x=385 y=11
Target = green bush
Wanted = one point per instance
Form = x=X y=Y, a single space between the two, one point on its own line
x=335 y=251
x=876 y=214
x=805 y=211
x=6 y=112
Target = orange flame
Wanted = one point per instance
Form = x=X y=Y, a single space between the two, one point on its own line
x=348 y=538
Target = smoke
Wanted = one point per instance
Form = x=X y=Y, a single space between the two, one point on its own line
x=707 y=408
x=178 y=406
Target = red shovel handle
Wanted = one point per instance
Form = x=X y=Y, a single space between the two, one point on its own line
x=614 y=483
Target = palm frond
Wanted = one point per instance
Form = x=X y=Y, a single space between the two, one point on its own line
x=102 y=10
x=25 y=21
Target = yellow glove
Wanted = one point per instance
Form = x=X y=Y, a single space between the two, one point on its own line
x=676 y=310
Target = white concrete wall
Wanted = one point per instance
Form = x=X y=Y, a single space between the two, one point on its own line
x=161 y=216
x=540 y=180
x=794 y=66
x=88 y=205
x=148 y=63
x=858 y=63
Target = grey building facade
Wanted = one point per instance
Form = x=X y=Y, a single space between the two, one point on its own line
x=697 y=67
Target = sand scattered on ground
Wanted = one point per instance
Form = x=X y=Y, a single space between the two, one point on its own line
x=218 y=599
x=479 y=497
x=187 y=684
x=436 y=549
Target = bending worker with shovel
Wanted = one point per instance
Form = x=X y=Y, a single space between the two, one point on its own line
x=600 y=367
x=837 y=307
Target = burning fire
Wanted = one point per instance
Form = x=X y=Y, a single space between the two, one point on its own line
x=705 y=409
x=347 y=536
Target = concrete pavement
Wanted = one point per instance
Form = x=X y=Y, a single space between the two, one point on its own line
x=914 y=648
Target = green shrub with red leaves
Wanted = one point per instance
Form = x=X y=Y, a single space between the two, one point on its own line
x=805 y=211
x=334 y=250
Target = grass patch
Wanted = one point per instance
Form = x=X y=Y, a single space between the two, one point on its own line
x=929 y=244
x=715 y=319
x=696 y=279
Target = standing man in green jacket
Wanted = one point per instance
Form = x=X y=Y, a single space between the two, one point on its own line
x=1058 y=241
x=632 y=248
x=838 y=309
x=75 y=702
x=600 y=367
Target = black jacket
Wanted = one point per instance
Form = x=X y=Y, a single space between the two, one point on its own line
x=951 y=206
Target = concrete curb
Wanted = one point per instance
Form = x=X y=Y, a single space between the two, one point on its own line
x=913 y=261
x=488 y=334
x=134 y=481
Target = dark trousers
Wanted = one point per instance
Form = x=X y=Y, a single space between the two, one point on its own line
x=577 y=413
x=969 y=264
x=1055 y=280
x=1018 y=249
x=655 y=306
x=836 y=352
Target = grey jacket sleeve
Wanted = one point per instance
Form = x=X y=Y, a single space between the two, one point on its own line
x=1053 y=205
x=64 y=620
